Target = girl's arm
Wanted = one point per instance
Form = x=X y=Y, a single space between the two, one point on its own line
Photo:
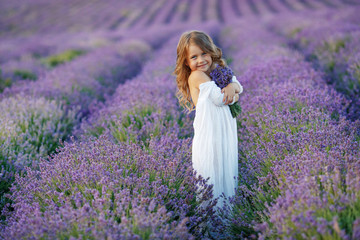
x=216 y=96
x=231 y=89
x=195 y=79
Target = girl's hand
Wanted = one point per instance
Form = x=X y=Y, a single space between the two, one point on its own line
x=229 y=93
x=237 y=97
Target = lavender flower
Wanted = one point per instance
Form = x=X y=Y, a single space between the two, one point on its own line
x=332 y=45
x=299 y=157
x=290 y=113
x=112 y=189
x=222 y=76
x=136 y=182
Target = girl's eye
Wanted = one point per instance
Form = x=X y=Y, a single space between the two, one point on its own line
x=204 y=53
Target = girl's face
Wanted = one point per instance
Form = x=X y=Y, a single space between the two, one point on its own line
x=197 y=59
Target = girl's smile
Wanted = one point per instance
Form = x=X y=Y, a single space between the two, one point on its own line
x=198 y=59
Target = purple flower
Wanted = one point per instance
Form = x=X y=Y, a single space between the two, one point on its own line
x=221 y=76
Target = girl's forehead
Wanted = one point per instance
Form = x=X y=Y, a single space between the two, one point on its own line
x=194 y=48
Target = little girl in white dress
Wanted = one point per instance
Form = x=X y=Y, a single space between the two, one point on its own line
x=215 y=143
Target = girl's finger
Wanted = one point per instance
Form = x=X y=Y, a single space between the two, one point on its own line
x=230 y=99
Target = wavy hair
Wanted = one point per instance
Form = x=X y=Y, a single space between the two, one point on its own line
x=182 y=70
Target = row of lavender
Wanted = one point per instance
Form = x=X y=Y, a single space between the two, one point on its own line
x=331 y=40
x=44 y=17
x=75 y=86
x=153 y=195
x=38 y=115
x=29 y=58
x=299 y=156
x=144 y=139
x=128 y=176
x=48 y=17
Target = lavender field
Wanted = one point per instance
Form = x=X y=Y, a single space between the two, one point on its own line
x=94 y=144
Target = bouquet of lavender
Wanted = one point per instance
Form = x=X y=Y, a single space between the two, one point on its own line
x=222 y=76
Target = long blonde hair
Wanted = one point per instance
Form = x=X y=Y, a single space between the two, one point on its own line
x=182 y=70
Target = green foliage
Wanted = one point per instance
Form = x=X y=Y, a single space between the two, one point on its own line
x=326 y=53
x=24 y=74
x=229 y=60
x=4 y=189
x=133 y=122
x=137 y=125
x=87 y=91
x=30 y=128
x=345 y=212
x=96 y=131
x=339 y=209
x=235 y=109
x=255 y=196
x=67 y=56
x=130 y=165
x=4 y=83
x=334 y=46
x=355 y=72
x=328 y=56
x=294 y=32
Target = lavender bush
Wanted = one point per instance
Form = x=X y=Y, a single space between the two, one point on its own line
x=113 y=190
x=167 y=208
x=298 y=155
x=89 y=77
x=282 y=119
x=29 y=58
x=36 y=47
x=26 y=70
x=53 y=17
x=331 y=45
x=67 y=56
x=4 y=82
x=130 y=116
x=30 y=129
x=327 y=189
x=72 y=85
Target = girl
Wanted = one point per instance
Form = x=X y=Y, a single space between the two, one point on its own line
x=214 y=147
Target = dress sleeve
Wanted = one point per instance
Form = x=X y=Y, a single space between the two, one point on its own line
x=236 y=81
x=216 y=96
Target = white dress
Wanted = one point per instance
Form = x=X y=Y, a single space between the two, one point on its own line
x=215 y=143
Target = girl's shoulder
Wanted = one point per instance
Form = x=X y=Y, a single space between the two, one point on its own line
x=198 y=73
x=198 y=77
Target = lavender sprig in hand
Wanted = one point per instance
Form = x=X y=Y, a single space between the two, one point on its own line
x=222 y=76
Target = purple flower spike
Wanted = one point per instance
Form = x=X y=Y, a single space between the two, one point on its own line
x=221 y=76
